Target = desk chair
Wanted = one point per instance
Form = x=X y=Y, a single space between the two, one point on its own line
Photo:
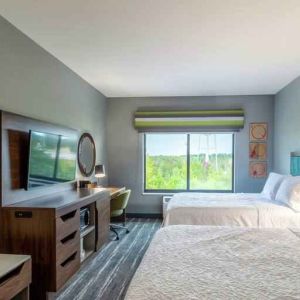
x=117 y=209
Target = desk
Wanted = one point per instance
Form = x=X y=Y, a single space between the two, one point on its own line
x=114 y=191
x=15 y=276
x=103 y=214
x=52 y=222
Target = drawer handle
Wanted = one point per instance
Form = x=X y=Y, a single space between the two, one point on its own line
x=69 y=237
x=69 y=260
x=11 y=275
x=23 y=214
x=68 y=216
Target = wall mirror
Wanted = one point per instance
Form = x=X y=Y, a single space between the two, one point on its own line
x=86 y=154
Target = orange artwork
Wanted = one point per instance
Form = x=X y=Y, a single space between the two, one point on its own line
x=258 y=132
x=258 y=151
x=258 y=169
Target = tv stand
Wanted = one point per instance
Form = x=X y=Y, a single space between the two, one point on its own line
x=48 y=229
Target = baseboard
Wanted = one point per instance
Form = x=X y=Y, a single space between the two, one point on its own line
x=148 y=216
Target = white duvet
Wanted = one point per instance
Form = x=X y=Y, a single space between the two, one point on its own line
x=200 y=262
x=246 y=210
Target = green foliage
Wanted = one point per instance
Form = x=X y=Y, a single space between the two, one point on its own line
x=166 y=172
x=215 y=175
x=170 y=172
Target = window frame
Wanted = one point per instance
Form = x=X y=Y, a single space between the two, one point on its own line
x=187 y=190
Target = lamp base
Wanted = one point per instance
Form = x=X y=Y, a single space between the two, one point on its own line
x=98 y=183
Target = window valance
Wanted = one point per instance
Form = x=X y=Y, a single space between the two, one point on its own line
x=216 y=120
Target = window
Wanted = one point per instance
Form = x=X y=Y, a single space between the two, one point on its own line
x=188 y=162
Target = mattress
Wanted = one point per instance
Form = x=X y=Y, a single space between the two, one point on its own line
x=228 y=209
x=203 y=262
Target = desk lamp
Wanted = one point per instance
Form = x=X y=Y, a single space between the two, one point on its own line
x=99 y=173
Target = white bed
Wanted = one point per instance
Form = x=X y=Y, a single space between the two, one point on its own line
x=228 y=209
x=201 y=262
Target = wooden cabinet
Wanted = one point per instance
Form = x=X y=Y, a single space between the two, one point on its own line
x=67 y=248
x=103 y=217
x=15 y=276
x=48 y=229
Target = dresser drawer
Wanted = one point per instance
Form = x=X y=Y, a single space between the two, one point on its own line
x=67 y=268
x=67 y=223
x=15 y=281
x=66 y=245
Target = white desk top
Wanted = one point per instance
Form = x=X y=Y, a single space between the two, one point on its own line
x=9 y=262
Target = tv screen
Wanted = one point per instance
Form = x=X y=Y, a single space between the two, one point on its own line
x=52 y=159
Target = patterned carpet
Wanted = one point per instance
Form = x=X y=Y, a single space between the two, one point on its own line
x=106 y=275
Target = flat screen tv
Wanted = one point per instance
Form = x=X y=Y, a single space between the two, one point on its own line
x=52 y=159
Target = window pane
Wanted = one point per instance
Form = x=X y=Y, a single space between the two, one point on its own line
x=211 y=159
x=166 y=161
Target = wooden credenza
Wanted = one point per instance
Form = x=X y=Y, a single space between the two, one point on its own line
x=48 y=229
x=15 y=277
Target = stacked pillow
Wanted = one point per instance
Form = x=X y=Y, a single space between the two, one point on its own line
x=289 y=192
x=272 y=185
x=284 y=189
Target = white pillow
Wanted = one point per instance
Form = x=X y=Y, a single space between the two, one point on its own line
x=272 y=185
x=289 y=192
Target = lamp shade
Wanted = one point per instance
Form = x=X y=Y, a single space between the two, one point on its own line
x=99 y=171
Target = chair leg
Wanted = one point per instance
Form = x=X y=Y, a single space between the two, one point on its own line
x=124 y=217
x=115 y=232
x=113 y=227
x=124 y=221
x=116 y=226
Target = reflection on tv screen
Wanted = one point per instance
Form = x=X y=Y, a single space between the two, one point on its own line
x=52 y=159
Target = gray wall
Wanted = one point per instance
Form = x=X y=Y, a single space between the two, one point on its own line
x=35 y=84
x=286 y=126
x=125 y=144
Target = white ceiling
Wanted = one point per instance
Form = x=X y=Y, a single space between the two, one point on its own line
x=168 y=47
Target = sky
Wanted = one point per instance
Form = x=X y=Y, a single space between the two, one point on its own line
x=175 y=144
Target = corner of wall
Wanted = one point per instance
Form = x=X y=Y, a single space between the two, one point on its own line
x=286 y=125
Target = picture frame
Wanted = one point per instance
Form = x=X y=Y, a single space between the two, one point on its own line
x=258 y=169
x=258 y=132
x=258 y=151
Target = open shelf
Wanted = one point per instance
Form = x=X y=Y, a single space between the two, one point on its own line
x=87 y=230
x=87 y=254
x=88 y=235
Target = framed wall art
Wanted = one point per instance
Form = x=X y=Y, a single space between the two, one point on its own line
x=258 y=169
x=258 y=151
x=258 y=132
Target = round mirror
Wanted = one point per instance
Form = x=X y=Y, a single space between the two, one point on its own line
x=86 y=154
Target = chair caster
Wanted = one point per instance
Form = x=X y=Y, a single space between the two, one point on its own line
x=117 y=238
x=127 y=231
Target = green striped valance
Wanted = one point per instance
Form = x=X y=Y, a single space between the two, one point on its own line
x=223 y=120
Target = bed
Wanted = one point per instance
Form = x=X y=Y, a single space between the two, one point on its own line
x=211 y=262
x=230 y=209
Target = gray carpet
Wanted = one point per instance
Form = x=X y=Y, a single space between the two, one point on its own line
x=106 y=274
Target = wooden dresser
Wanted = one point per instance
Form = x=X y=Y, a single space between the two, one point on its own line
x=48 y=229
x=15 y=276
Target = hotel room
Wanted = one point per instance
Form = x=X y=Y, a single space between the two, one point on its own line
x=150 y=150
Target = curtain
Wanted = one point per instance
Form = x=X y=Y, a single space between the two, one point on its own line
x=189 y=120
